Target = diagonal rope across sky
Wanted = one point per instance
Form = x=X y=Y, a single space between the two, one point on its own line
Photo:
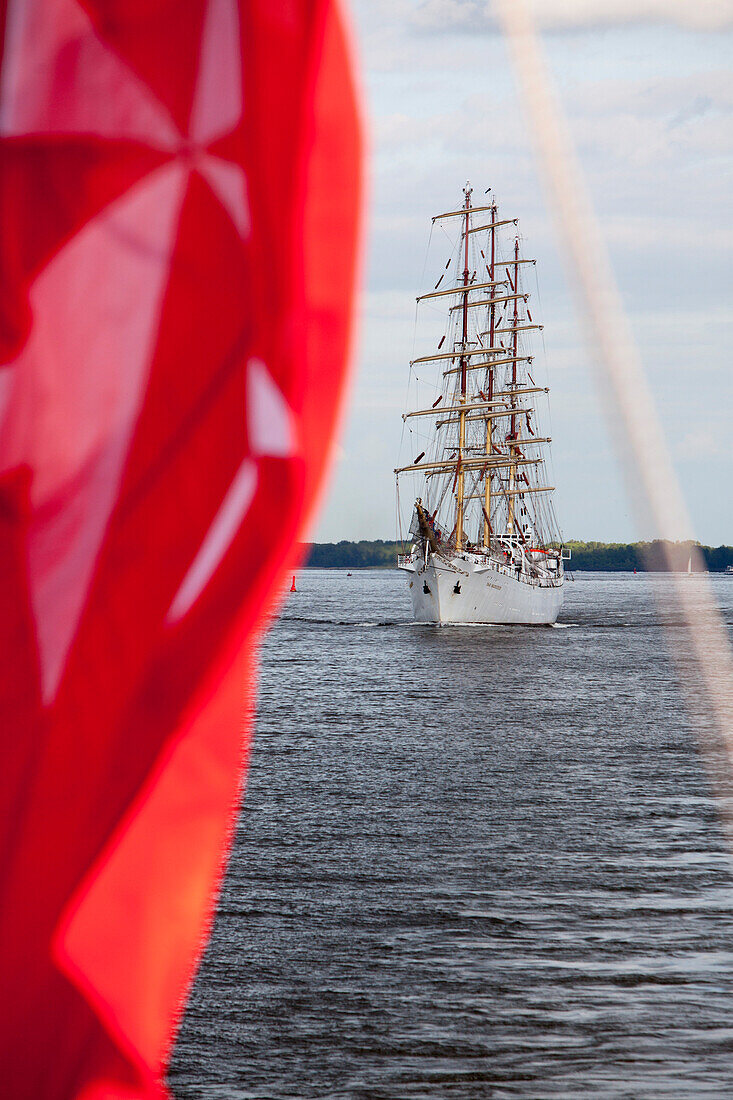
x=701 y=649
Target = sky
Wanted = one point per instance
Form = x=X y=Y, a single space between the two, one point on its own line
x=648 y=91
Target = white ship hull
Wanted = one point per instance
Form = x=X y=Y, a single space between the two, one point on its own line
x=470 y=591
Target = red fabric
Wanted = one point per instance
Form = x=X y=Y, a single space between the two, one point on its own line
x=179 y=195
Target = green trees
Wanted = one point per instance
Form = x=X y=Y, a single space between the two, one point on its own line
x=352 y=555
x=593 y=556
x=644 y=556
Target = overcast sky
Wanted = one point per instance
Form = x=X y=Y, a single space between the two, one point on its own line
x=649 y=95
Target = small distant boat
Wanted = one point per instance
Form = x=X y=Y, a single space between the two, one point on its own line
x=689 y=565
x=729 y=568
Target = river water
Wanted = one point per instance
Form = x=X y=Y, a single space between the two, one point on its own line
x=472 y=862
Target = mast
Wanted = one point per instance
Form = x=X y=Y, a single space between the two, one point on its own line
x=464 y=374
x=513 y=430
x=479 y=447
x=490 y=395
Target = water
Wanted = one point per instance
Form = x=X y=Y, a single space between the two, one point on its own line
x=472 y=862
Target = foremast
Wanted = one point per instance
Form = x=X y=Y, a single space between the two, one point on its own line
x=467 y=191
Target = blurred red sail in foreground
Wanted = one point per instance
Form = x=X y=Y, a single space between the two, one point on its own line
x=179 y=194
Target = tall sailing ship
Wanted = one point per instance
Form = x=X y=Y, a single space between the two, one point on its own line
x=485 y=543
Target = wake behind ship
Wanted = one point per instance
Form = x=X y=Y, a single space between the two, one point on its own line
x=486 y=546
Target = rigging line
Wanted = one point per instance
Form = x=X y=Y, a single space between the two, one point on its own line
x=441 y=498
x=409 y=377
x=432 y=307
x=427 y=253
x=548 y=403
x=455 y=246
x=399 y=511
x=447 y=236
x=414 y=333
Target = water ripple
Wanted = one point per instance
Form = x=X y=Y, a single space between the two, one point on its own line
x=476 y=863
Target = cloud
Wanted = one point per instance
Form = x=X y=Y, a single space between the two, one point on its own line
x=702 y=443
x=661 y=188
x=649 y=105
x=648 y=118
x=570 y=15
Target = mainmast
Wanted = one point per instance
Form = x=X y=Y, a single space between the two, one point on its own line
x=513 y=433
x=490 y=394
x=464 y=374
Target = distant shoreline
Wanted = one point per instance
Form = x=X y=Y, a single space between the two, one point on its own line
x=593 y=557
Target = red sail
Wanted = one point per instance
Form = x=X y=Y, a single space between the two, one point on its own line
x=179 y=194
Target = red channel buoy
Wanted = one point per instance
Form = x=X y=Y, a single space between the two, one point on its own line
x=292 y=586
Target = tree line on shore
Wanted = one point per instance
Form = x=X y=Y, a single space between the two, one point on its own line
x=592 y=556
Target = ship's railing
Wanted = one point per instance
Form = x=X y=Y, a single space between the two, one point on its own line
x=404 y=560
x=480 y=559
x=525 y=578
